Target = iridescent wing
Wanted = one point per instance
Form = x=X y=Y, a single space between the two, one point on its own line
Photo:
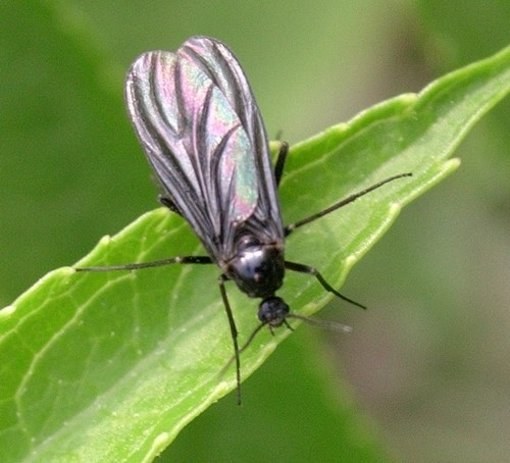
x=200 y=127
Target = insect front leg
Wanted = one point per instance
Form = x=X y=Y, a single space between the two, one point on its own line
x=294 y=266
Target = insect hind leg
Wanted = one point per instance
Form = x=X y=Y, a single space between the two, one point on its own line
x=301 y=268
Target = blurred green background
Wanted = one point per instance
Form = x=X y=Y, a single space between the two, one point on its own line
x=427 y=366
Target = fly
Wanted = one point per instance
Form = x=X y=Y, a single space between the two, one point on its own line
x=197 y=120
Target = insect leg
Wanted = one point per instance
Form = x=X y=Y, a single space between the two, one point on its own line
x=280 y=161
x=291 y=227
x=233 y=333
x=313 y=271
x=154 y=263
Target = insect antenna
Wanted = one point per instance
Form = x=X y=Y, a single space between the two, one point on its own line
x=318 y=322
x=323 y=324
x=247 y=343
x=236 y=358
x=330 y=325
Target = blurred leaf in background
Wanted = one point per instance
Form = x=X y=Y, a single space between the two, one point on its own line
x=428 y=362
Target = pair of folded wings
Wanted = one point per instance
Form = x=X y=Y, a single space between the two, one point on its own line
x=200 y=127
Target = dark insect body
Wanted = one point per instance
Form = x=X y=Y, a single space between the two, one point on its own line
x=197 y=120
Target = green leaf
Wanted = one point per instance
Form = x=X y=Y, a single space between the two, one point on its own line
x=111 y=366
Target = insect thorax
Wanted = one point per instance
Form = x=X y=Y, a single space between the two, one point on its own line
x=257 y=268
